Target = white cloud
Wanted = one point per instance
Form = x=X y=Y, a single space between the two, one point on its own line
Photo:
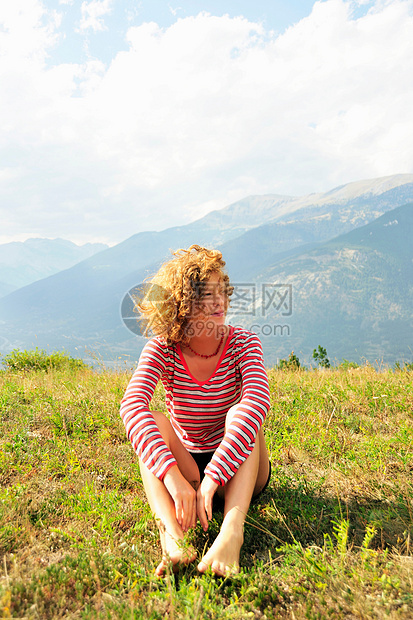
x=25 y=30
x=174 y=11
x=93 y=14
x=198 y=115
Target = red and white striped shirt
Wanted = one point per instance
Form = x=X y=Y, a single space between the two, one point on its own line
x=198 y=409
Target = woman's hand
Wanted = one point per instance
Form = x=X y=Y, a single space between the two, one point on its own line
x=184 y=497
x=204 y=497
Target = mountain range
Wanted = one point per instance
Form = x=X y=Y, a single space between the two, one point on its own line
x=22 y=263
x=335 y=269
x=352 y=294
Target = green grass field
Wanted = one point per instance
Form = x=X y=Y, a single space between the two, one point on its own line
x=330 y=538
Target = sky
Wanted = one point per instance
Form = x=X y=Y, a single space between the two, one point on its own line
x=119 y=116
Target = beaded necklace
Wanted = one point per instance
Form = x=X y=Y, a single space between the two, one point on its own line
x=212 y=354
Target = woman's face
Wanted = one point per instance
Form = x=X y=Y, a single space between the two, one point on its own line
x=212 y=306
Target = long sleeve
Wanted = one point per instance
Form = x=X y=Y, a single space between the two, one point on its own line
x=239 y=439
x=139 y=422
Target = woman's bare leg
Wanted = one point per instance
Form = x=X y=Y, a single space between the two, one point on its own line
x=223 y=556
x=161 y=502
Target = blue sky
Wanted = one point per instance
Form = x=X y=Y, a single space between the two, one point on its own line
x=104 y=43
x=116 y=16
x=120 y=116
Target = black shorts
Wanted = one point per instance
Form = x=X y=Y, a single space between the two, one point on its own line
x=203 y=458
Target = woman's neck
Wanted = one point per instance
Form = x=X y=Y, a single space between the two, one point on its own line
x=208 y=343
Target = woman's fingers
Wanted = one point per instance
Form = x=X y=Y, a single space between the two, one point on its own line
x=178 y=511
x=201 y=511
x=184 y=497
x=208 y=506
x=187 y=515
x=205 y=496
x=185 y=510
x=194 y=511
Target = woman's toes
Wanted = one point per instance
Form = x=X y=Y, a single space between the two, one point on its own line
x=202 y=567
x=161 y=568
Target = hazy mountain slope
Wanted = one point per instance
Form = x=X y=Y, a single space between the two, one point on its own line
x=243 y=215
x=301 y=220
x=22 y=263
x=6 y=288
x=353 y=294
x=332 y=214
x=80 y=306
x=296 y=221
x=86 y=284
x=366 y=190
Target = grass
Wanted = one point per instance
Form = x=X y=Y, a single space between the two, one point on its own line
x=330 y=538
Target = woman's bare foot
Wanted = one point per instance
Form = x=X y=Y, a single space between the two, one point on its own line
x=223 y=556
x=175 y=553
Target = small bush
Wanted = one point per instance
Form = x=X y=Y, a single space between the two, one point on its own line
x=39 y=359
x=346 y=364
x=293 y=363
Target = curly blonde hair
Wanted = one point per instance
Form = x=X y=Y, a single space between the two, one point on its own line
x=173 y=291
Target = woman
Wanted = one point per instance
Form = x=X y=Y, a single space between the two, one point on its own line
x=217 y=397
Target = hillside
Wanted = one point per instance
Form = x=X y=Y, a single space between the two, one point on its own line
x=353 y=294
x=315 y=219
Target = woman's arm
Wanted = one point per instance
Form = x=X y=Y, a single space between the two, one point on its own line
x=239 y=438
x=139 y=422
